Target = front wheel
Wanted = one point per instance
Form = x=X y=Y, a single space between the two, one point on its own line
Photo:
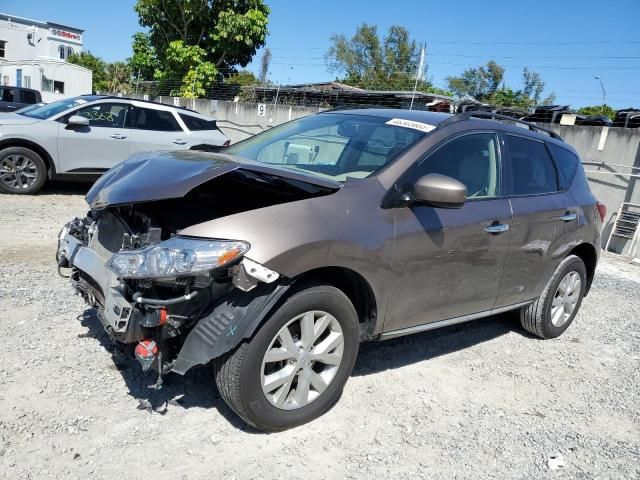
x=294 y=368
x=552 y=313
x=22 y=171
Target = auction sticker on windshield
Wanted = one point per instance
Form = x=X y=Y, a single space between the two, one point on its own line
x=400 y=122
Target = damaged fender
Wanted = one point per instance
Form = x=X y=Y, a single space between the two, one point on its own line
x=232 y=320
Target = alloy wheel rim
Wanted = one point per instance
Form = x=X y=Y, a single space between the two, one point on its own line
x=302 y=360
x=18 y=172
x=565 y=299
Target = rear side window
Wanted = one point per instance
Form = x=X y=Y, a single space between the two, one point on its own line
x=149 y=119
x=567 y=163
x=532 y=170
x=195 y=124
x=27 y=96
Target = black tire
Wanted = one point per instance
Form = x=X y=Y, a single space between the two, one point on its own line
x=238 y=373
x=536 y=318
x=39 y=168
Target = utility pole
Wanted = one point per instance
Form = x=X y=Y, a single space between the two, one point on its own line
x=418 y=75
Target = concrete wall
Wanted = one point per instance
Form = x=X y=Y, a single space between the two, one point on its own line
x=609 y=153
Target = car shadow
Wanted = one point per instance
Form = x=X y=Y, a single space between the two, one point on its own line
x=197 y=387
x=66 y=188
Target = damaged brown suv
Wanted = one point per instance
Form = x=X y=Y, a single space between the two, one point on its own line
x=276 y=258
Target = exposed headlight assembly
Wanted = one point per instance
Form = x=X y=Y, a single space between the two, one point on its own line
x=178 y=256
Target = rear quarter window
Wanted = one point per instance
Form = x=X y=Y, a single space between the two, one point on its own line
x=567 y=163
x=197 y=124
x=532 y=169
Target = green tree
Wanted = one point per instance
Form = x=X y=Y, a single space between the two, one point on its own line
x=144 y=61
x=480 y=82
x=368 y=61
x=118 y=77
x=243 y=77
x=598 y=110
x=228 y=31
x=96 y=65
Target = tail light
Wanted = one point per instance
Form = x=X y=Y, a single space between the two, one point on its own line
x=227 y=143
x=602 y=210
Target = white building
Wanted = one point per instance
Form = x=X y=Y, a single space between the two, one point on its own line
x=33 y=55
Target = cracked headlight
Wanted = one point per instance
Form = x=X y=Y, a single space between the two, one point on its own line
x=178 y=256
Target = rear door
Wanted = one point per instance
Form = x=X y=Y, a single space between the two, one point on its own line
x=544 y=214
x=155 y=129
x=449 y=262
x=98 y=147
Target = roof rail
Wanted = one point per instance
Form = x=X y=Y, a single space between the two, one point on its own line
x=459 y=117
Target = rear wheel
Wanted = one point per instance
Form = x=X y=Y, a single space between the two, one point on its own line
x=552 y=313
x=22 y=171
x=295 y=367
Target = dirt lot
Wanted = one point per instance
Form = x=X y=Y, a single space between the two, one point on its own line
x=483 y=400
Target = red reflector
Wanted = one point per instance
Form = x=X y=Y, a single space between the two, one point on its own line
x=602 y=210
x=146 y=349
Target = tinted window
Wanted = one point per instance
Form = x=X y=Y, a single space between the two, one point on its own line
x=148 y=119
x=567 y=163
x=8 y=94
x=27 y=96
x=532 y=170
x=194 y=124
x=471 y=159
x=110 y=115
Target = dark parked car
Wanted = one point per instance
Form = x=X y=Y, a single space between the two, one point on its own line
x=278 y=257
x=15 y=98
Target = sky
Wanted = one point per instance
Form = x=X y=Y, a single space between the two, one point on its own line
x=567 y=42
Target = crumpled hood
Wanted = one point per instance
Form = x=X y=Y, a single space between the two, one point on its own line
x=172 y=174
x=10 y=118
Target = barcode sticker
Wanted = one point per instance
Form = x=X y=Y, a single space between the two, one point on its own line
x=400 y=122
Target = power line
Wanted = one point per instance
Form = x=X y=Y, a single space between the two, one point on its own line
x=506 y=66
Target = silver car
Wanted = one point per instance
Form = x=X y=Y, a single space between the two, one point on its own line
x=83 y=137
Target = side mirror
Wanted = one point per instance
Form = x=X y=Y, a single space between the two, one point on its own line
x=78 y=121
x=440 y=191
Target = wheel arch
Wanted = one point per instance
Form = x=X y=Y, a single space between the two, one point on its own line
x=354 y=286
x=587 y=253
x=21 y=142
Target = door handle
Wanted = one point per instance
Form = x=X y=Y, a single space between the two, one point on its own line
x=119 y=136
x=497 y=228
x=568 y=217
x=178 y=141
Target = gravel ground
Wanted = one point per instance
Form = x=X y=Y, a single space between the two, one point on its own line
x=482 y=400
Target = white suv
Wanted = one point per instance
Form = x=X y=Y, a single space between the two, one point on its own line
x=82 y=137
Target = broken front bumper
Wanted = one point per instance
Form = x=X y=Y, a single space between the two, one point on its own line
x=226 y=316
x=97 y=284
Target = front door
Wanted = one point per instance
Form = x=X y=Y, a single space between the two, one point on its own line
x=448 y=262
x=98 y=147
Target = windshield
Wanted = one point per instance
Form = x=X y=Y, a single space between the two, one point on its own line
x=332 y=145
x=51 y=109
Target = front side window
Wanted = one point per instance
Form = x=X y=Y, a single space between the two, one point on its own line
x=7 y=94
x=151 y=119
x=532 y=170
x=331 y=145
x=110 y=115
x=471 y=159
